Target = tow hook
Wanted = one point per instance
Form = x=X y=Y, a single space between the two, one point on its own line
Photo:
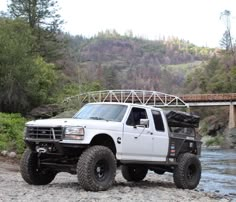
x=41 y=150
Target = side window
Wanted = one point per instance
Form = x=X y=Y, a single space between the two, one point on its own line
x=135 y=115
x=158 y=120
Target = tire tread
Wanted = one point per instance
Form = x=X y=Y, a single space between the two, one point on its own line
x=28 y=173
x=84 y=168
x=179 y=172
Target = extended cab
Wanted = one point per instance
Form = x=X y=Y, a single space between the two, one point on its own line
x=102 y=136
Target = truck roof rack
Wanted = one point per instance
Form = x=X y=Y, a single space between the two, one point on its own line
x=182 y=119
x=143 y=97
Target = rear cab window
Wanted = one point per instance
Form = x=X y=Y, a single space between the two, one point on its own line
x=158 y=121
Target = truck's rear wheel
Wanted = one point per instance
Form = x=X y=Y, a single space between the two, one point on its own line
x=96 y=168
x=30 y=171
x=131 y=173
x=188 y=172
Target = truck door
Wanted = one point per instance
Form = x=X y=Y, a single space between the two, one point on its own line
x=160 y=137
x=137 y=139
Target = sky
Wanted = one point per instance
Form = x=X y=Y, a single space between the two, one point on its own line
x=197 y=21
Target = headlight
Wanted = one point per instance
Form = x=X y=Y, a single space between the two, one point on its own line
x=74 y=132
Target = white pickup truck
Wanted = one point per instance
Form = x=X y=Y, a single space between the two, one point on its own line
x=103 y=136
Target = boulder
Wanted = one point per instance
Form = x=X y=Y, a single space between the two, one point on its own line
x=4 y=152
x=11 y=154
x=45 y=111
x=230 y=138
x=212 y=126
x=66 y=114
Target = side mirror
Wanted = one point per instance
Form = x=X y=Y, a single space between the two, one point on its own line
x=144 y=122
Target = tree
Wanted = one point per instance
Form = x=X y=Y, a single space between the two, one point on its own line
x=38 y=13
x=226 y=41
x=26 y=80
x=42 y=16
x=110 y=78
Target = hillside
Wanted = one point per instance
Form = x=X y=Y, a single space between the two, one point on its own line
x=122 y=62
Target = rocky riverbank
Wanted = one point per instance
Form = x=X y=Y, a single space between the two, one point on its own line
x=65 y=188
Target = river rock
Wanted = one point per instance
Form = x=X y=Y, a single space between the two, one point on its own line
x=230 y=138
x=125 y=190
x=12 y=154
x=4 y=152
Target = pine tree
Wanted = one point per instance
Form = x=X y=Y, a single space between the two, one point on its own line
x=42 y=16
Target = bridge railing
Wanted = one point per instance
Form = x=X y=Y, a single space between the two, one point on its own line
x=143 y=97
x=209 y=97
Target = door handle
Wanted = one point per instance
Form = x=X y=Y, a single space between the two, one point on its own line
x=150 y=132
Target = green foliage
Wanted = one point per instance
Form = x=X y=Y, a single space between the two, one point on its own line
x=217 y=76
x=43 y=18
x=112 y=34
x=11 y=132
x=43 y=13
x=71 y=89
x=26 y=80
x=43 y=83
x=215 y=141
x=110 y=78
x=225 y=42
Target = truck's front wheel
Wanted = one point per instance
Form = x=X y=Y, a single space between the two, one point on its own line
x=187 y=174
x=30 y=171
x=96 y=168
x=131 y=173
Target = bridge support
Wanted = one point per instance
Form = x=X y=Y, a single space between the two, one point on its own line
x=232 y=116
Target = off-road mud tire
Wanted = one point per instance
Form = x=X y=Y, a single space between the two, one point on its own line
x=96 y=168
x=132 y=173
x=30 y=171
x=188 y=172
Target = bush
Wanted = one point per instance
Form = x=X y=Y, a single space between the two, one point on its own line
x=26 y=80
x=215 y=141
x=11 y=132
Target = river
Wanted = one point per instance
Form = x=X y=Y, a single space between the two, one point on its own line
x=218 y=171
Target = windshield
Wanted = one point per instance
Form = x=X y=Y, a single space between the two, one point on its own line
x=106 y=112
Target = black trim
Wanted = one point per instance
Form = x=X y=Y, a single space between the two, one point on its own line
x=150 y=163
x=179 y=145
x=57 y=148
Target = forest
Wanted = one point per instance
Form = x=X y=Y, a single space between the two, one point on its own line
x=42 y=65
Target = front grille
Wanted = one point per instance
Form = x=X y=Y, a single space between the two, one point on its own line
x=44 y=133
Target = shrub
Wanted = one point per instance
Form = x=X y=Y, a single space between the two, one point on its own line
x=11 y=132
x=215 y=141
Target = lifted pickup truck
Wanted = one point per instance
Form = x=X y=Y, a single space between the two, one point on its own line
x=103 y=136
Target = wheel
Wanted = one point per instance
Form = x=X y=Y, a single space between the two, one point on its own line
x=30 y=171
x=187 y=174
x=96 y=168
x=131 y=173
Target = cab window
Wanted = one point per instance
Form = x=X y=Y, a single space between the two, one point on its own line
x=158 y=120
x=135 y=115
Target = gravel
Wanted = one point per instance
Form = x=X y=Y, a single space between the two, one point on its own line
x=66 y=188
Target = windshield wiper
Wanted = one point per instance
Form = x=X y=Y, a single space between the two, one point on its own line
x=96 y=118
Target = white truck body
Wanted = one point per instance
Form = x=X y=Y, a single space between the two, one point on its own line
x=132 y=143
x=102 y=136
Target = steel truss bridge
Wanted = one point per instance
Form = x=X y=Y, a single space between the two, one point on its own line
x=143 y=97
x=157 y=99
